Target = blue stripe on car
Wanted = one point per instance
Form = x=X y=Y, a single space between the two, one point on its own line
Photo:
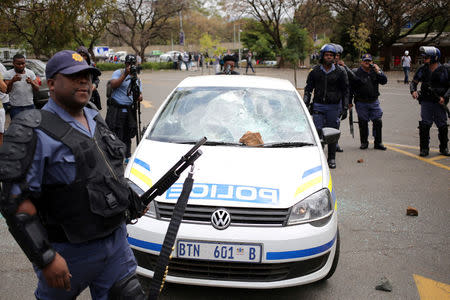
x=145 y=245
x=142 y=163
x=269 y=255
x=312 y=171
x=299 y=253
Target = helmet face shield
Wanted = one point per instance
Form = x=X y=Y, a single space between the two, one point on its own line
x=431 y=52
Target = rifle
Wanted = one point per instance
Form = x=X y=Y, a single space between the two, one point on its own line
x=168 y=179
x=350 y=121
x=165 y=182
x=444 y=105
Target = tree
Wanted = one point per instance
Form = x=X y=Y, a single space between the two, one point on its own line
x=138 y=22
x=270 y=13
x=387 y=20
x=92 y=22
x=314 y=16
x=298 y=43
x=254 y=37
x=42 y=27
x=359 y=37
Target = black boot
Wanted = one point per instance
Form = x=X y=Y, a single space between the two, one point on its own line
x=377 y=125
x=363 y=134
x=424 y=134
x=339 y=149
x=443 y=140
x=332 y=156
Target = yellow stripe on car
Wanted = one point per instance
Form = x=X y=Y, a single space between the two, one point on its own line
x=141 y=176
x=308 y=185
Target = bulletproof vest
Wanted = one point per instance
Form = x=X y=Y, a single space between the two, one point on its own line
x=328 y=88
x=94 y=204
x=434 y=84
x=366 y=86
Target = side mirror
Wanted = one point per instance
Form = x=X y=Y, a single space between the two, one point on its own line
x=330 y=135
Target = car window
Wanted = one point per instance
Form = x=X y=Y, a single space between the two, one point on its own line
x=225 y=114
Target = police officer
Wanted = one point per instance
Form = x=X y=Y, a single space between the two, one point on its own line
x=229 y=63
x=121 y=116
x=433 y=97
x=340 y=64
x=330 y=86
x=365 y=92
x=64 y=197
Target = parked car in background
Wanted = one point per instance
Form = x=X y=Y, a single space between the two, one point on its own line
x=258 y=216
x=170 y=56
x=121 y=55
x=38 y=67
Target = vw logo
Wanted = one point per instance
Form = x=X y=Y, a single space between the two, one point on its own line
x=220 y=219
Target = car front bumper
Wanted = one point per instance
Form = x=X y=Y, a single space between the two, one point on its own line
x=291 y=255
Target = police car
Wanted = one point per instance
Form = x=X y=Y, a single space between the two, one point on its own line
x=258 y=216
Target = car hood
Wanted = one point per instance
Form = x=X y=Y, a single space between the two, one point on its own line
x=234 y=175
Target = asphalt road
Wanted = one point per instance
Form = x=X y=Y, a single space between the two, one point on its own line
x=377 y=238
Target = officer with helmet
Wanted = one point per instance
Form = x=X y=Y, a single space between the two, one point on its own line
x=330 y=86
x=120 y=116
x=340 y=64
x=63 y=194
x=433 y=98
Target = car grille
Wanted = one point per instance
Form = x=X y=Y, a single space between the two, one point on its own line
x=239 y=216
x=229 y=271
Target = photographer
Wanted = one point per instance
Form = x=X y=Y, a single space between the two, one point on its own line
x=229 y=61
x=365 y=90
x=125 y=97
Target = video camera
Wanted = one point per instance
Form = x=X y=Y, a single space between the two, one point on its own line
x=227 y=70
x=131 y=60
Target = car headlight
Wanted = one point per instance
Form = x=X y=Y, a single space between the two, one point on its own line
x=315 y=207
x=151 y=207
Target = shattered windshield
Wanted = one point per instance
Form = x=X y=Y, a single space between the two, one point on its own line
x=224 y=115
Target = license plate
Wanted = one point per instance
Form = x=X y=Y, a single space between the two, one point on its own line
x=219 y=251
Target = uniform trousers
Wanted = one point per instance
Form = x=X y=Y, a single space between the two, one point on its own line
x=96 y=264
x=433 y=112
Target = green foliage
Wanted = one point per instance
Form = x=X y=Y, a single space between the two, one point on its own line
x=145 y=66
x=298 y=43
x=255 y=38
x=359 y=37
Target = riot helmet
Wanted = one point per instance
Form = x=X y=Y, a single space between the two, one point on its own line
x=339 y=48
x=130 y=59
x=326 y=48
x=431 y=52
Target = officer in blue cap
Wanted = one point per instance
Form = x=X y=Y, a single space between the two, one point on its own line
x=330 y=86
x=64 y=196
x=365 y=92
x=433 y=98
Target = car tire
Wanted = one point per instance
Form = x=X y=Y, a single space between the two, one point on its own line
x=335 y=259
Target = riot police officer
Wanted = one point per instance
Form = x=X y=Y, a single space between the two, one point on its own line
x=433 y=98
x=330 y=86
x=365 y=91
x=340 y=64
x=64 y=197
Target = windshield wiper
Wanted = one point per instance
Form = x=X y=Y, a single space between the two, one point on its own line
x=287 y=144
x=214 y=143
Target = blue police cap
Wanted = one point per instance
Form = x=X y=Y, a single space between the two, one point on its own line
x=366 y=56
x=68 y=62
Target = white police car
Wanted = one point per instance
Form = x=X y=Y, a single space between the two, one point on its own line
x=257 y=217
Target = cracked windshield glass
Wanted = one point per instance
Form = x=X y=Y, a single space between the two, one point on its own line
x=226 y=114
